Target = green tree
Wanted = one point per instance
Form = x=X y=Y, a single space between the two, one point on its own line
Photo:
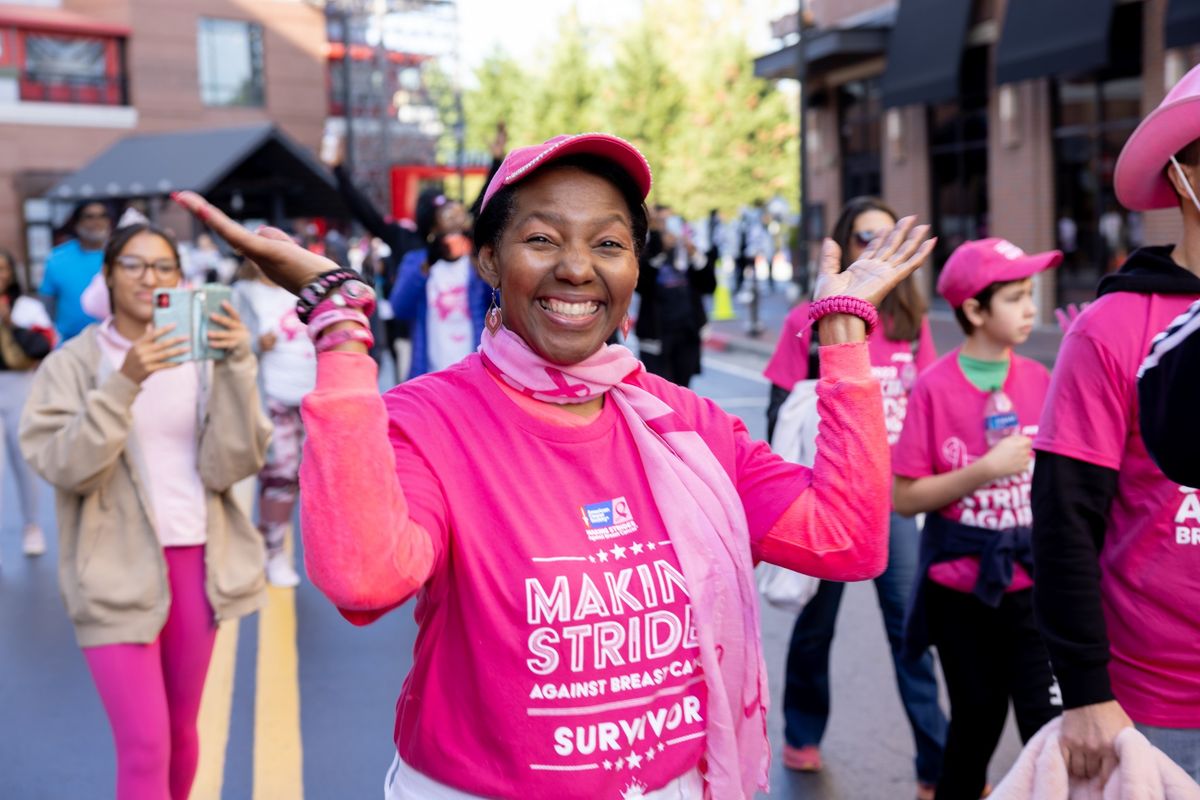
x=566 y=96
x=501 y=94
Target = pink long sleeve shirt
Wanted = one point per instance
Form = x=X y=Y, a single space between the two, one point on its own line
x=557 y=656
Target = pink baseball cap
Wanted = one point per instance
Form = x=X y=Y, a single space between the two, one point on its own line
x=524 y=161
x=974 y=266
x=1140 y=178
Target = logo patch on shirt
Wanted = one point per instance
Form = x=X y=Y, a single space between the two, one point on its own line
x=608 y=519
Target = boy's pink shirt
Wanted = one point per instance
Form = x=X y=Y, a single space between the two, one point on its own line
x=889 y=363
x=549 y=599
x=944 y=432
x=1150 y=564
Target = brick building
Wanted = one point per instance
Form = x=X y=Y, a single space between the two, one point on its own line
x=76 y=76
x=988 y=117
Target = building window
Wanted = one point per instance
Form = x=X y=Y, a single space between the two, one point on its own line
x=1093 y=116
x=860 y=123
x=71 y=69
x=958 y=158
x=231 y=62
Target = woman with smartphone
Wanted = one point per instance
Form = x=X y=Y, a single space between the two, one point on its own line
x=154 y=551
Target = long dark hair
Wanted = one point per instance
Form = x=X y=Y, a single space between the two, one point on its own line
x=903 y=310
x=13 y=290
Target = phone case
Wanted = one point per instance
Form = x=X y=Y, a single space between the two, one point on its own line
x=208 y=301
x=175 y=306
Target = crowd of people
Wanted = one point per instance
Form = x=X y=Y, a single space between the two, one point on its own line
x=1063 y=591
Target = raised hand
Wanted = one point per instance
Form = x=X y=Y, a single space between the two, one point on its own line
x=148 y=355
x=1067 y=315
x=887 y=261
x=283 y=261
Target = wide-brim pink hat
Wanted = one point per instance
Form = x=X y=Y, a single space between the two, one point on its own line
x=1140 y=179
x=524 y=161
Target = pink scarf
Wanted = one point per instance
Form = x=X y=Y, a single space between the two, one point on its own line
x=707 y=525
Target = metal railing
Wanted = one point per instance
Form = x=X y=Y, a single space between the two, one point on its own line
x=46 y=87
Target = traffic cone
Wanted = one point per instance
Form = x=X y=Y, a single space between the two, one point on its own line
x=722 y=307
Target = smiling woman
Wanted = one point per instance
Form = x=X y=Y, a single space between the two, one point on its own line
x=566 y=519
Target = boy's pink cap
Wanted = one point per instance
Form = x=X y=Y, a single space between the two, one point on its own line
x=1140 y=178
x=974 y=266
x=524 y=161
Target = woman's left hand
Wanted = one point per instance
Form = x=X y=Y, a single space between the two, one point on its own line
x=883 y=265
x=232 y=333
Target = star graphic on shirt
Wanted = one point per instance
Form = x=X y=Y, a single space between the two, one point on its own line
x=661 y=747
x=650 y=754
x=607 y=764
x=620 y=763
x=636 y=548
x=634 y=760
x=617 y=551
x=602 y=555
x=651 y=546
x=591 y=559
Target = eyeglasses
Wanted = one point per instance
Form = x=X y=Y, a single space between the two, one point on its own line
x=135 y=267
x=864 y=238
x=94 y=215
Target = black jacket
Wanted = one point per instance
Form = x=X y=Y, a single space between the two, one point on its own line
x=1169 y=399
x=1071 y=501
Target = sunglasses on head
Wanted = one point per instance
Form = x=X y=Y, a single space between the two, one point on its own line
x=864 y=238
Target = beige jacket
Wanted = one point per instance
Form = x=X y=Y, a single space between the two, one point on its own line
x=77 y=432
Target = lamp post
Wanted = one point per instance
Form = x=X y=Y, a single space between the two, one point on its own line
x=800 y=256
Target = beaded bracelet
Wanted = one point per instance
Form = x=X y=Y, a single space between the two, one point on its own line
x=845 y=304
x=312 y=294
x=332 y=340
x=324 y=318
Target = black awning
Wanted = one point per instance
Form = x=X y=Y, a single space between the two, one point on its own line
x=783 y=63
x=829 y=48
x=925 y=52
x=1052 y=37
x=251 y=172
x=1183 y=23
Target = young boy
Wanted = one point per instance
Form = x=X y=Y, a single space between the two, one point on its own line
x=965 y=457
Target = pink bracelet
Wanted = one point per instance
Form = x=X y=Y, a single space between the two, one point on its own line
x=332 y=316
x=332 y=340
x=844 y=304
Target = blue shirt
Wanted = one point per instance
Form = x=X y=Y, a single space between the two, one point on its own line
x=69 y=270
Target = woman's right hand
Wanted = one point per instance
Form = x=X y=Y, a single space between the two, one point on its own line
x=1012 y=455
x=283 y=261
x=148 y=355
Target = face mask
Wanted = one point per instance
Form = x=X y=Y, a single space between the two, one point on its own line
x=1186 y=183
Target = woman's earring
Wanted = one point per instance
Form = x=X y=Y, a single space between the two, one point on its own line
x=626 y=324
x=494 y=320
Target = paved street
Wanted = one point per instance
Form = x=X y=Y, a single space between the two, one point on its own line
x=300 y=703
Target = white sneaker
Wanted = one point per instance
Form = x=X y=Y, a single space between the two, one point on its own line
x=34 y=541
x=280 y=571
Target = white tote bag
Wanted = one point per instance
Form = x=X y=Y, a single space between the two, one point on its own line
x=795 y=440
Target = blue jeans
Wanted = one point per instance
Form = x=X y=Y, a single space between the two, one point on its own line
x=806 y=694
x=1182 y=745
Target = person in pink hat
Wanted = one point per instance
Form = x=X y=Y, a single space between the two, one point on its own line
x=579 y=535
x=1116 y=542
x=965 y=459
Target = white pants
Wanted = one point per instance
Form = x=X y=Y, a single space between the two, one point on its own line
x=405 y=783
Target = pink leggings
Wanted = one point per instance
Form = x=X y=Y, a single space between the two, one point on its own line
x=152 y=691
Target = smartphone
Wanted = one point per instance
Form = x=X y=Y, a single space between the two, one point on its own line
x=189 y=310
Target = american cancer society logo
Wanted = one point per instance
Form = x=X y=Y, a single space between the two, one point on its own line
x=608 y=520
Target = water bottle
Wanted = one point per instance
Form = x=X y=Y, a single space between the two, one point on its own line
x=999 y=418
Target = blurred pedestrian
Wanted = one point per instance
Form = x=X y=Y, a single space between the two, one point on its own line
x=439 y=291
x=287 y=368
x=1116 y=542
x=26 y=337
x=497 y=517
x=965 y=459
x=672 y=282
x=72 y=265
x=899 y=349
x=153 y=550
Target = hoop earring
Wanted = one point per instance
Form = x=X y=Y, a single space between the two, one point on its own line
x=494 y=318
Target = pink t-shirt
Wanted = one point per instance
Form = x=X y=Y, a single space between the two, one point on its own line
x=164 y=422
x=944 y=432
x=1150 y=564
x=894 y=364
x=555 y=599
